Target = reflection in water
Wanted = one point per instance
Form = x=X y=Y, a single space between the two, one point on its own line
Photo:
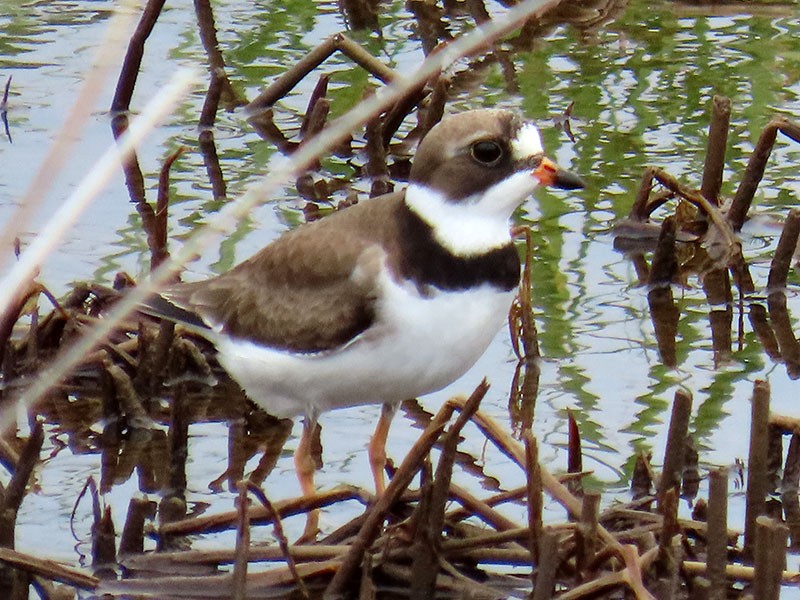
x=641 y=76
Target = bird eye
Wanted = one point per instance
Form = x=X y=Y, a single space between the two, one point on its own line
x=487 y=153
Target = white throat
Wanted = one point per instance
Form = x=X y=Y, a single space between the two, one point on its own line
x=477 y=224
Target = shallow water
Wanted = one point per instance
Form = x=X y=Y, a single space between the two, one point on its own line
x=641 y=77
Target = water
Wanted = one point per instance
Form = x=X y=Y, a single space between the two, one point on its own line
x=641 y=76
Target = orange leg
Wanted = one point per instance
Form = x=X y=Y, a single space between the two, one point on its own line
x=305 y=467
x=377 y=447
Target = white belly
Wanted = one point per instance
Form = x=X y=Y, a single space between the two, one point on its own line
x=417 y=346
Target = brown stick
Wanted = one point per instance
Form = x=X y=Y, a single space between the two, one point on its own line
x=158 y=248
x=770 y=558
x=757 y=463
x=15 y=491
x=547 y=566
x=756 y=166
x=132 y=539
x=134 y=55
x=338 y=41
x=320 y=91
x=293 y=506
x=48 y=569
x=715 y=149
x=283 y=541
x=561 y=494
x=586 y=534
x=430 y=526
x=241 y=551
x=535 y=499
x=342 y=581
x=782 y=259
x=717 y=538
x=675 y=450
x=482 y=510
x=376 y=167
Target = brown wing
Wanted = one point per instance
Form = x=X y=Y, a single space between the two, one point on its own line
x=300 y=293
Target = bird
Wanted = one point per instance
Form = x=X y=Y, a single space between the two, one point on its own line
x=392 y=298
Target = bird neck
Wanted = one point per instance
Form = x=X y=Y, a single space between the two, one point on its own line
x=429 y=263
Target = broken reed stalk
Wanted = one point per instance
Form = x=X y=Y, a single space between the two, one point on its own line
x=131 y=541
x=757 y=483
x=586 y=534
x=715 y=149
x=790 y=499
x=754 y=171
x=480 y=509
x=631 y=575
x=376 y=167
x=104 y=549
x=425 y=561
x=242 y=547
x=535 y=496
x=574 y=453
x=48 y=569
x=342 y=580
x=667 y=563
x=431 y=522
x=770 y=558
x=548 y=565
x=12 y=495
x=158 y=249
x=284 y=508
x=717 y=537
x=782 y=259
x=320 y=91
x=675 y=450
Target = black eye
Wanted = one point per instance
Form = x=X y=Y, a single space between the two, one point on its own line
x=487 y=153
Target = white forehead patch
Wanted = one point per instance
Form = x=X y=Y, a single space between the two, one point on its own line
x=527 y=143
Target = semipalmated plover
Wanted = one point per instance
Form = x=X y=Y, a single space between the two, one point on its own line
x=390 y=299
